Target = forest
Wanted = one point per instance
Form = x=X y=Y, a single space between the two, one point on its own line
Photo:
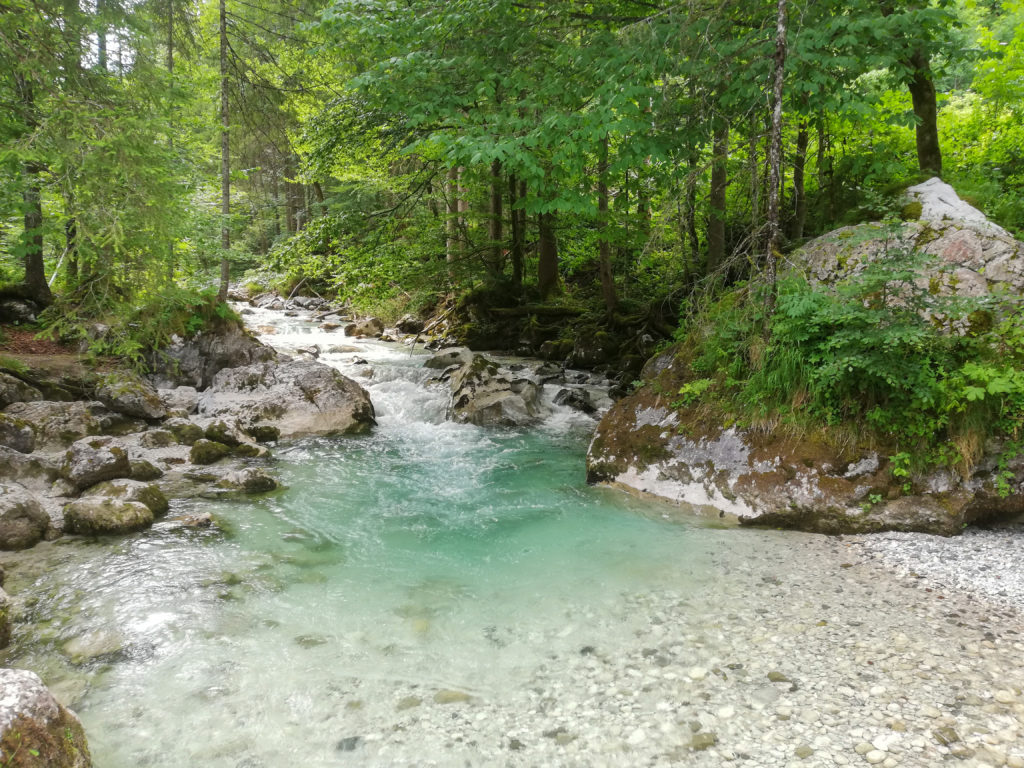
x=611 y=161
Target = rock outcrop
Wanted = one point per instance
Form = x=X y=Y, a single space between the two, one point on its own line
x=36 y=731
x=486 y=395
x=981 y=255
x=651 y=442
x=23 y=520
x=298 y=398
x=194 y=362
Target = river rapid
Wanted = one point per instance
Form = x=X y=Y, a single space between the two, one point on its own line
x=445 y=594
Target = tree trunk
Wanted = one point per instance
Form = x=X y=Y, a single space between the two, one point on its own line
x=101 y=35
x=547 y=262
x=717 y=199
x=922 y=94
x=518 y=245
x=451 y=197
x=755 y=202
x=799 y=182
x=170 y=137
x=35 y=287
x=604 y=246
x=462 y=203
x=691 y=206
x=775 y=154
x=225 y=157
x=494 y=223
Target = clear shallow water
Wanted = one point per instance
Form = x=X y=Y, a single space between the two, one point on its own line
x=428 y=556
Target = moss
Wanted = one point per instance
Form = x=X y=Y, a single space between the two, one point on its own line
x=27 y=744
x=207 y=452
x=911 y=211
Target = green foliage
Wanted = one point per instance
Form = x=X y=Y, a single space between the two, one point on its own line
x=131 y=332
x=888 y=351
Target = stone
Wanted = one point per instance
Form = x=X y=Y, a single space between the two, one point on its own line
x=98 y=644
x=99 y=515
x=207 y=452
x=248 y=480
x=577 y=399
x=803 y=751
x=182 y=398
x=94 y=460
x=35 y=726
x=194 y=362
x=485 y=395
x=448 y=696
x=777 y=677
x=219 y=431
x=263 y=433
x=875 y=756
x=131 y=396
x=14 y=390
x=299 y=398
x=17 y=434
x=184 y=431
x=18 y=311
x=157 y=438
x=348 y=744
x=370 y=327
x=409 y=324
x=445 y=358
x=408 y=703
x=23 y=521
x=144 y=470
x=946 y=735
x=702 y=741
x=133 y=490
x=58 y=424
x=31 y=470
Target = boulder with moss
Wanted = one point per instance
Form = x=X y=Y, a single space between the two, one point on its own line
x=94 y=460
x=14 y=390
x=487 y=395
x=103 y=515
x=133 y=490
x=193 y=362
x=129 y=395
x=36 y=731
x=17 y=434
x=208 y=452
x=23 y=521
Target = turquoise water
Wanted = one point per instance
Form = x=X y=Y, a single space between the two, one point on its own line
x=428 y=556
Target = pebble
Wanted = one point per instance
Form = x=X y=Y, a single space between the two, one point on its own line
x=875 y=756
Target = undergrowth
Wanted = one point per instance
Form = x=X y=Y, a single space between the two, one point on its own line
x=132 y=331
x=889 y=353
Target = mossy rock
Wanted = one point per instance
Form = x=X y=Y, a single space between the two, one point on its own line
x=207 y=452
x=184 y=431
x=143 y=470
x=263 y=433
x=133 y=490
x=98 y=515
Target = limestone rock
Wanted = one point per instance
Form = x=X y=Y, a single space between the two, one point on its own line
x=35 y=726
x=131 y=396
x=94 y=460
x=180 y=399
x=23 y=521
x=14 y=390
x=779 y=480
x=184 y=431
x=371 y=327
x=409 y=324
x=144 y=470
x=446 y=358
x=194 y=362
x=17 y=434
x=31 y=470
x=207 y=452
x=298 y=398
x=248 y=480
x=132 y=490
x=57 y=424
x=220 y=431
x=97 y=515
x=577 y=399
x=485 y=395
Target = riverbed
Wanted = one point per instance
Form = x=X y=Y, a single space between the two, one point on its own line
x=445 y=594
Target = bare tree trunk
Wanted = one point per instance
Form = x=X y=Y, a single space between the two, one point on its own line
x=717 y=199
x=604 y=246
x=799 y=182
x=547 y=262
x=225 y=158
x=922 y=94
x=494 y=223
x=518 y=246
x=451 y=196
x=775 y=154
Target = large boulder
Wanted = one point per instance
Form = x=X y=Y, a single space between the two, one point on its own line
x=99 y=515
x=180 y=399
x=248 y=480
x=23 y=521
x=370 y=327
x=36 y=731
x=299 y=398
x=57 y=424
x=652 y=444
x=34 y=471
x=132 y=490
x=194 y=362
x=94 y=460
x=14 y=390
x=131 y=396
x=485 y=395
x=17 y=434
x=446 y=358
x=980 y=255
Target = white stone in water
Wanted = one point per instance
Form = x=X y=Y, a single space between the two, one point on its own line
x=1005 y=697
x=697 y=673
x=637 y=737
x=875 y=756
